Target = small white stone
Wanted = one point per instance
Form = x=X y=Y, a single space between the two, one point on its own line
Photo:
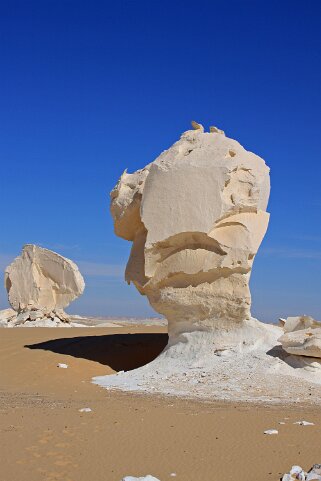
x=304 y=423
x=62 y=365
x=143 y=478
x=296 y=473
x=271 y=431
x=34 y=315
x=85 y=410
x=315 y=473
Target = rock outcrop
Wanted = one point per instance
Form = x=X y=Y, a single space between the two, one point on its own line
x=302 y=336
x=298 y=323
x=306 y=342
x=196 y=217
x=40 y=284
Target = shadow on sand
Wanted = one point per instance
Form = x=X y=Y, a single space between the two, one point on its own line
x=122 y=352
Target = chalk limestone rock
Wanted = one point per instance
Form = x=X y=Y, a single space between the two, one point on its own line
x=304 y=342
x=143 y=478
x=296 y=473
x=299 y=322
x=40 y=284
x=196 y=217
x=7 y=316
x=315 y=473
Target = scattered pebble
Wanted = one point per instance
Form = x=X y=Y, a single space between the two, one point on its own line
x=271 y=431
x=281 y=422
x=304 y=423
x=295 y=473
x=85 y=410
x=315 y=473
x=62 y=365
x=143 y=478
x=173 y=474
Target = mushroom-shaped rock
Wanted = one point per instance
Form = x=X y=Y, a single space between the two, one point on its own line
x=196 y=217
x=41 y=283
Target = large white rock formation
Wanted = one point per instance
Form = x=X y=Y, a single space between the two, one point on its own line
x=40 y=284
x=196 y=217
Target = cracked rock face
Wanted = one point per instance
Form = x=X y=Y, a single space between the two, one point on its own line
x=196 y=217
x=42 y=283
x=304 y=342
x=302 y=336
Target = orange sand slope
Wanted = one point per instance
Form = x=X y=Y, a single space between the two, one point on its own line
x=44 y=437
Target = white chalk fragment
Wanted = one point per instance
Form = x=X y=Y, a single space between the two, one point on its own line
x=295 y=473
x=304 y=423
x=85 y=410
x=281 y=422
x=271 y=431
x=173 y=474
x=315 y=473
x=143 y=478
x=62 y=365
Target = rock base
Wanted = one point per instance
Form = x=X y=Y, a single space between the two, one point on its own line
x=245 y=365
x=34 y=318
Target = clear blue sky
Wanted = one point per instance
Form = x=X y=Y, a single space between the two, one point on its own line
x=89 y=88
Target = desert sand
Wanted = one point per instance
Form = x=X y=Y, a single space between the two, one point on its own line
x=44 y=437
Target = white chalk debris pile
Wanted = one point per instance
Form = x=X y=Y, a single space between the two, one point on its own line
x=40 y=284
x=297 y=473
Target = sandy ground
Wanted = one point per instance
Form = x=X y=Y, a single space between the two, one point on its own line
x=43 y=436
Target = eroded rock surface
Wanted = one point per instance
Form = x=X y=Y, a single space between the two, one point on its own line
x=298 y=323
x=40 y=284
x=196 y=217
x=304 y=342
x=302 y=337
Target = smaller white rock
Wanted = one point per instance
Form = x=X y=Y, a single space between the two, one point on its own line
x=315 y=473
x=271 y=431
x=62 y=365
x=85 y=410
x=295 y=473
x=304 y=423
x=143 y=478
x=299 y=323
x=23 y=316
x=38 y=314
